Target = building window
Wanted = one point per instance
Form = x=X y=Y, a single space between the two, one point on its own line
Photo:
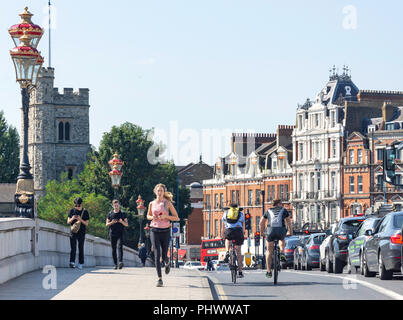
x=333 y=149
x=237 y=197
x=359 y=184
x=379 y=154
x=257 y=224
x=332 y=183
x=273 y=192
x=286 y=193
x=379 y=182
x=61 y=131
x=233 y=196
x=208 y=202
x=281 y=192
x=316 y=120
x=216 y=202
x=351 y=156
x=274 y=164
x=300 y=122
x=70 y=173
x=317 y=149
x=359 y=156
x=258 y=195
x=216 y=228
x=333 y=213
x=67 y=131
x=301 y=151
x=250 y=197
x=221 y=200
x=351 y=184
x=333 y=119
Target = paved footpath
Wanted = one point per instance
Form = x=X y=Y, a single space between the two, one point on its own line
x=104 y=283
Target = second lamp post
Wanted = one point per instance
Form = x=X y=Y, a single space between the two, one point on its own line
x=116 y=174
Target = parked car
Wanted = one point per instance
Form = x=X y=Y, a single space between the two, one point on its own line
x=382 y=251
x=356 y=245
x=290 y=245
x=298 y=251
x=193 y=265
x=310 y=252
x=323 y=247
x=337 y=246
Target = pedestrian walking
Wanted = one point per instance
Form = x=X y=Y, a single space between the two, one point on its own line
x=117 y=221
x=143 y=254
x=159 y=211
x=78 y=219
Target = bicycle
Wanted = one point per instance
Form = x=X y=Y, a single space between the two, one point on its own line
x=233 y=262
x=276 y=266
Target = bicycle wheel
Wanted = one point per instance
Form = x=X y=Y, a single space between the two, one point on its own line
x=275 y=263
x=234 y=266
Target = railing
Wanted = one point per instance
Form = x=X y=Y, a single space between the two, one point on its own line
x=380 y=189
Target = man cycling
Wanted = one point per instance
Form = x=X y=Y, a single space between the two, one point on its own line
x=277 y=217
x=233 y=220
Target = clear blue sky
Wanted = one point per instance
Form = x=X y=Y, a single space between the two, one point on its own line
x=211 y=64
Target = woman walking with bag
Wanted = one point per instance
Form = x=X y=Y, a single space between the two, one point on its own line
x=159 y=212
x=78 y=220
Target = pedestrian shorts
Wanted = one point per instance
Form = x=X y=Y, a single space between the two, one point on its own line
x=234 y=234
x=277 y=233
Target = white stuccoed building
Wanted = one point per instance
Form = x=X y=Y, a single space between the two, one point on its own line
x=318 y=149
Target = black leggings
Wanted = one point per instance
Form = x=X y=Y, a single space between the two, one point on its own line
x=74 y=238
x=160 y=240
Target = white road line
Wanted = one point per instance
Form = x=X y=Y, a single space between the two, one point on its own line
x=379 y=289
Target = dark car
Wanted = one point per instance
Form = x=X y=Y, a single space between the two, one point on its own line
x=337 y=247
x=382 y=251
x=310 y=252
x=298 y=251
x=356 y=245
x=290 y=245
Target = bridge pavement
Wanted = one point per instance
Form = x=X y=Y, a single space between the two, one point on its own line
x=104 y=283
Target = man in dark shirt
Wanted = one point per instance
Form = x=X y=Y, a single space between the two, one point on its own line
x=278 y=220
x=116 y=221
x=78 y=213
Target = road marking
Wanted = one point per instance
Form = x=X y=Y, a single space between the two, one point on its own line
x=381 y=290
x=218 y=286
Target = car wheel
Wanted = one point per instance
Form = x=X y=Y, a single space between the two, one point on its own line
x=307 y=266
x=349 y=265
x=322 y=266
x=337 y=265
x=365 y=269
x=383 y=273
x=329 y=265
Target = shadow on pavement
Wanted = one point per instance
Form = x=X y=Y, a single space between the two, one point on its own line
x=32 y=285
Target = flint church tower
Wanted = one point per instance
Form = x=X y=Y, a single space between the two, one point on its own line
x=58 y=131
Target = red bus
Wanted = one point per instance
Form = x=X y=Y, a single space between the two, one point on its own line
x=211 y=248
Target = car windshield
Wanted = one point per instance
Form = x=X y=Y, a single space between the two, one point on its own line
x=398 y=221
x=351 y=225
x=319 y=239
x=291 y=243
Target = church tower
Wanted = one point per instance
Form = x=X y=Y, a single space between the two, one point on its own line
x=58 y=131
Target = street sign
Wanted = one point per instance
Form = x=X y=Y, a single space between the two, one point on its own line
x=175 y=229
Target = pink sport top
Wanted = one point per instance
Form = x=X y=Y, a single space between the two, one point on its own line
x=158 y=209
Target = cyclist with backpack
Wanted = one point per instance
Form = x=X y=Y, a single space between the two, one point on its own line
x=233 y=220
x=277 y=218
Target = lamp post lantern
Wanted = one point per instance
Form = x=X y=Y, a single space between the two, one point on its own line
x=140 y=211
x=116 y=174
x=27 y=63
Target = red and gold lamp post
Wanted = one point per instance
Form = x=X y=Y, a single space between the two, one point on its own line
x=27 y=63
x=116 y=174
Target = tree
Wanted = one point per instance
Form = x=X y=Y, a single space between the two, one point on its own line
x=9 y=152
x=132 y=144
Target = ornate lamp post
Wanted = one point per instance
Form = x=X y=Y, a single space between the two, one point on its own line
x=140 y=212
x=116 y=174
x=27 y=62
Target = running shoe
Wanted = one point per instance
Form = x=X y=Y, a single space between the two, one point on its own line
x=268 y=275
x=160 y=283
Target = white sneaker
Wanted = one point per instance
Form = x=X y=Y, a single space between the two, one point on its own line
x=72 y=265
x=80 y=266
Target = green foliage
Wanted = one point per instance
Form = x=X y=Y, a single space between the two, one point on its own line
x=9 y=152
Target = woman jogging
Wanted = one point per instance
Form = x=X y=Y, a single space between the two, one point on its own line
x=159 y=212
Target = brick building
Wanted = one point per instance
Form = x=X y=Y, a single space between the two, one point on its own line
x=241 y=176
